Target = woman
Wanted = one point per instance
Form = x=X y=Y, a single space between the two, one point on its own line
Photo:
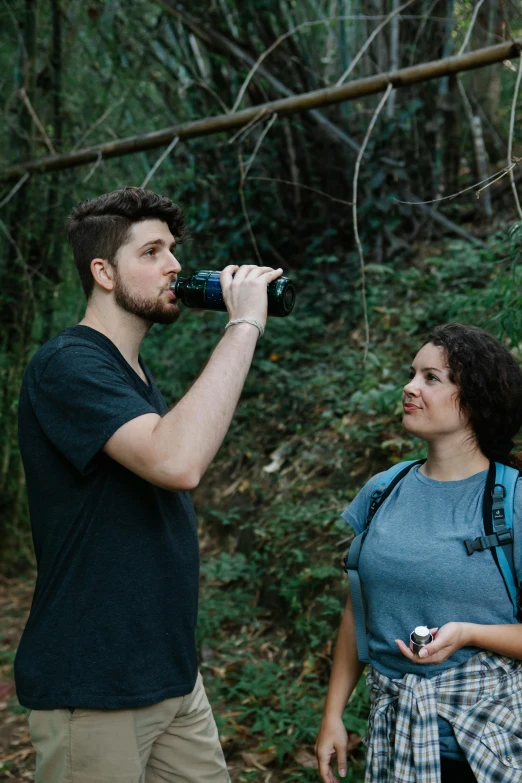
x=464 y=398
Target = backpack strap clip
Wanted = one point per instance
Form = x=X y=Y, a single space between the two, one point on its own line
x=487 y=542
x=502 y=535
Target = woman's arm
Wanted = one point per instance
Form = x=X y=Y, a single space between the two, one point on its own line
x=501 y=639
x=346 y=670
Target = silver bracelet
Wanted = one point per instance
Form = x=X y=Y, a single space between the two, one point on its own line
x=246 y=321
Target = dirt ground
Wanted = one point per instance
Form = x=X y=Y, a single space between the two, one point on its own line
x=17 y=757
x=16 y=753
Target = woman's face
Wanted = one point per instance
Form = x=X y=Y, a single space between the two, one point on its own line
x=430 y=400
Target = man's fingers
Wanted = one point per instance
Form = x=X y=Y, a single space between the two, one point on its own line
x=273 y=274
x=242 y=272
x=252 y=272
x=226 y=274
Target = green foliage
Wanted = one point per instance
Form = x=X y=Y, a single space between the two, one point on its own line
x=311 y=412
x=325 y=423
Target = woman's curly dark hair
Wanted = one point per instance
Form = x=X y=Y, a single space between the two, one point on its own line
x=490 y=387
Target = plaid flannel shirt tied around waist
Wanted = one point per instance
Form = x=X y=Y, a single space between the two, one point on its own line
x=481 y=698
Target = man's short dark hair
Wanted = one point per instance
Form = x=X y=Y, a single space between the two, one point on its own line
x=98 y=227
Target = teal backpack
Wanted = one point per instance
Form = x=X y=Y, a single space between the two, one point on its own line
x=497 y=513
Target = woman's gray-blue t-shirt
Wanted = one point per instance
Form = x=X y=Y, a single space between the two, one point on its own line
x=415 y=569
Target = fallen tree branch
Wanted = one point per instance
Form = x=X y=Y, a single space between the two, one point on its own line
x=292 y=105
x=217 y=42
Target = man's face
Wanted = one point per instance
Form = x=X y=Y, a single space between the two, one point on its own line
x=146 y=266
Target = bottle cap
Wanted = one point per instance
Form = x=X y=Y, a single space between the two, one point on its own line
x=422 y=630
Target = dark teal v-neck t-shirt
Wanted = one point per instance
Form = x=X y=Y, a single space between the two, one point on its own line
x=113 y=618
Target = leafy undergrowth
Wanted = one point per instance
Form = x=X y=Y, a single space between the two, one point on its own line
x=314 y=423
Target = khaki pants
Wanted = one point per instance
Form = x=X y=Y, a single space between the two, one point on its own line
x=175 y=740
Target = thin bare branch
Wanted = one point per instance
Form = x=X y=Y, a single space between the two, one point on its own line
x=302 y=187
x=254 y=121
x=15 y=24
x=34 y=117
x=245 y=210
x=13 y=244
x=370 y=39
x=101 y=119
x=492 y=178
x=510 y=142
x=14 y=190
x=208 y=88
x=288 y=34
x=478 y=143
x=160 y=161
x=292 y=162
x=424 y=20
x=260 y=140
x=354 y=214
x=470 y=28
x=93 y=167
x=500 y=176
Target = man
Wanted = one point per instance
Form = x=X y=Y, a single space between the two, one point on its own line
x=107 y=662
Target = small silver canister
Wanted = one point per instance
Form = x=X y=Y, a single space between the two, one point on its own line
x=419 y=638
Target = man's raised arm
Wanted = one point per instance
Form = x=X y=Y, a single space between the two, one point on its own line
x=175 y=450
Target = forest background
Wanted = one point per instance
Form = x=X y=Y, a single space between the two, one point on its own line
x=320 y=412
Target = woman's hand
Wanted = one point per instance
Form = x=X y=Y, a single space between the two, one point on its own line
x=446 y=641
x=332 y=741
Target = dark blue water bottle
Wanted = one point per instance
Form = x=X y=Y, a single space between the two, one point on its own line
x=203 y=290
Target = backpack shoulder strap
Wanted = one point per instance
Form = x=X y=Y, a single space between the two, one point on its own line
x=502 y=517
x=497 y=511
x=389 y=480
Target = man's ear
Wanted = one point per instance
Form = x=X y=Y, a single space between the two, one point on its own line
x=103 y=273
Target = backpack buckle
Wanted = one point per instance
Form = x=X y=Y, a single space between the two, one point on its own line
x=477 y=545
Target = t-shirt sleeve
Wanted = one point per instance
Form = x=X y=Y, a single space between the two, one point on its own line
x=80 y=399
x=357 y=512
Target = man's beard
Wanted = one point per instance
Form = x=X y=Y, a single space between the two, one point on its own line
x=152 y=310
